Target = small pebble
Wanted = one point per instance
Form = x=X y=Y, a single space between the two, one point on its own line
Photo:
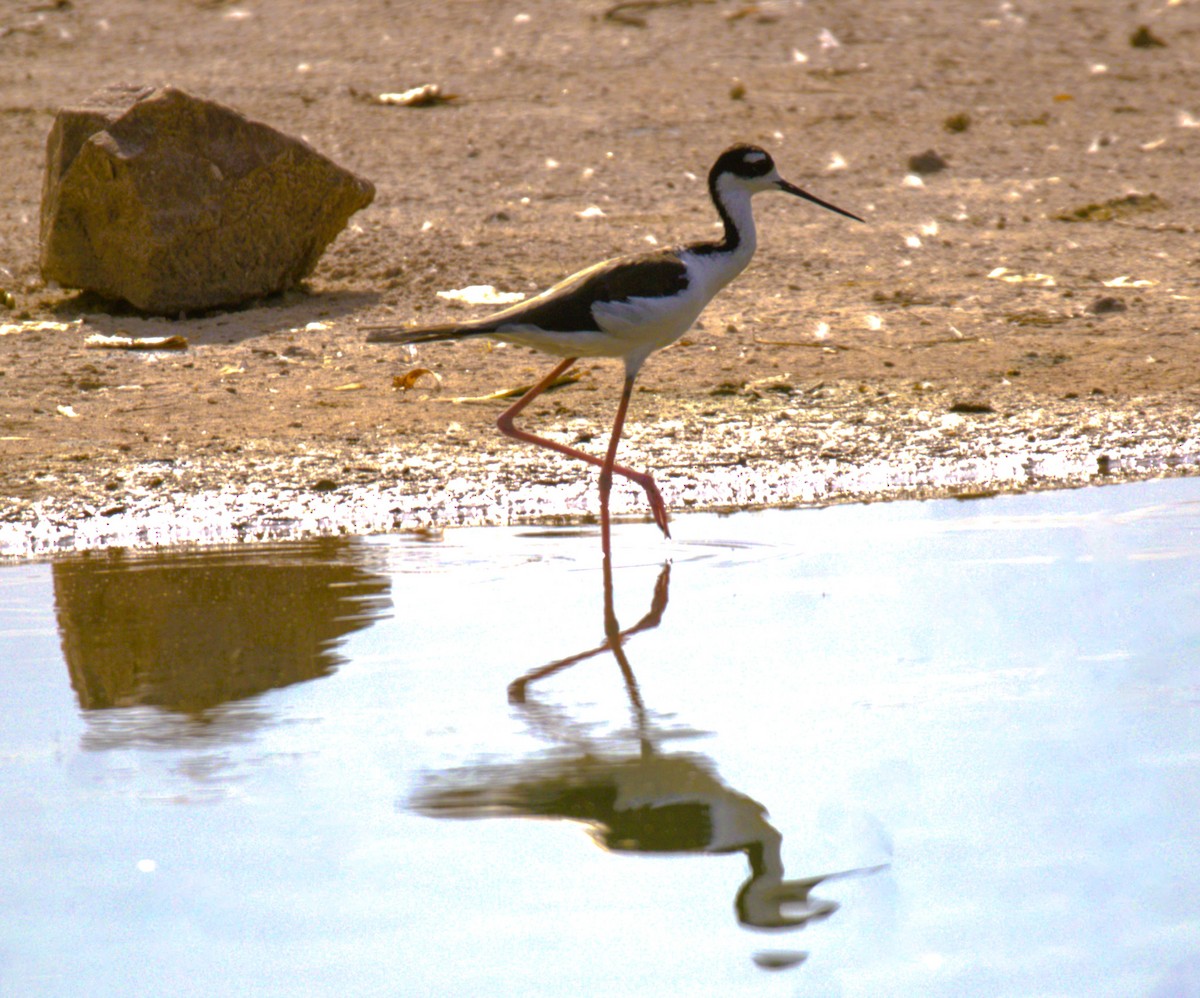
x=971 y=408
x=926 y=162
x=957 y=122
x=1144 y=38
x=1107 y=305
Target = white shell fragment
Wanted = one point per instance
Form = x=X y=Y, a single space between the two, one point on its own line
x=1012 y=277
x=422 y=96
x=482 y=294
x=1125 y=281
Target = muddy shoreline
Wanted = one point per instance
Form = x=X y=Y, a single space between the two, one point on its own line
x=1023 y=318
x=775 y=452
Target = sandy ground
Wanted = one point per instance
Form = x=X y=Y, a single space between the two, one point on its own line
x=1023 y=318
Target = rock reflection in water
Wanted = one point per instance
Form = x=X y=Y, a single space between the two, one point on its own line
x=189 y=632
x=635 y=797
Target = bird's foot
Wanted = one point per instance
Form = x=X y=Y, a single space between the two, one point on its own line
x=658 y=508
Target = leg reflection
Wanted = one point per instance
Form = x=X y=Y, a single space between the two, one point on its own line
x=614 y=639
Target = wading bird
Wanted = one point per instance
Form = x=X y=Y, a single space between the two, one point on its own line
x=627 y=308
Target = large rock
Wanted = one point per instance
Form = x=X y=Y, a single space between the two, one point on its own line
x=174 y=203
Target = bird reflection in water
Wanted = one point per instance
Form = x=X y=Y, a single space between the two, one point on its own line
x=636 y=798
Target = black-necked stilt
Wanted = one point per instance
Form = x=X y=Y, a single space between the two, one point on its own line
x=628 y=307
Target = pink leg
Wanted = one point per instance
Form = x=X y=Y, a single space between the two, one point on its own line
x=608 y=466
x=657 y=506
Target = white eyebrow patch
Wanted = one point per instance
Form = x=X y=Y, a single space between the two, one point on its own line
x=755 y=157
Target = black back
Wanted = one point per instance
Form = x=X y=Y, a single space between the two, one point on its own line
x=567 y=307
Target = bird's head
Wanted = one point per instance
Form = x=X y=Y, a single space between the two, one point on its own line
x=752 y=169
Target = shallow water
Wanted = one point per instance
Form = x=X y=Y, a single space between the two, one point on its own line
x=300 y=769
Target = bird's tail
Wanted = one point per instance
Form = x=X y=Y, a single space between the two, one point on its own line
x=424 y=334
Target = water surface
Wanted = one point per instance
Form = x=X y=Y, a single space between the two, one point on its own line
x=908 y=749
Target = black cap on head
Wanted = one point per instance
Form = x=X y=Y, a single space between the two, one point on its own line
x=744 y=161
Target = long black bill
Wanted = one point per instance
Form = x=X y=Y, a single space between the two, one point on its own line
x=800 y=193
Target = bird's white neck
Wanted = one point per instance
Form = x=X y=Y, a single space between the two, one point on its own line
x=732 y=201
x=716 y=264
